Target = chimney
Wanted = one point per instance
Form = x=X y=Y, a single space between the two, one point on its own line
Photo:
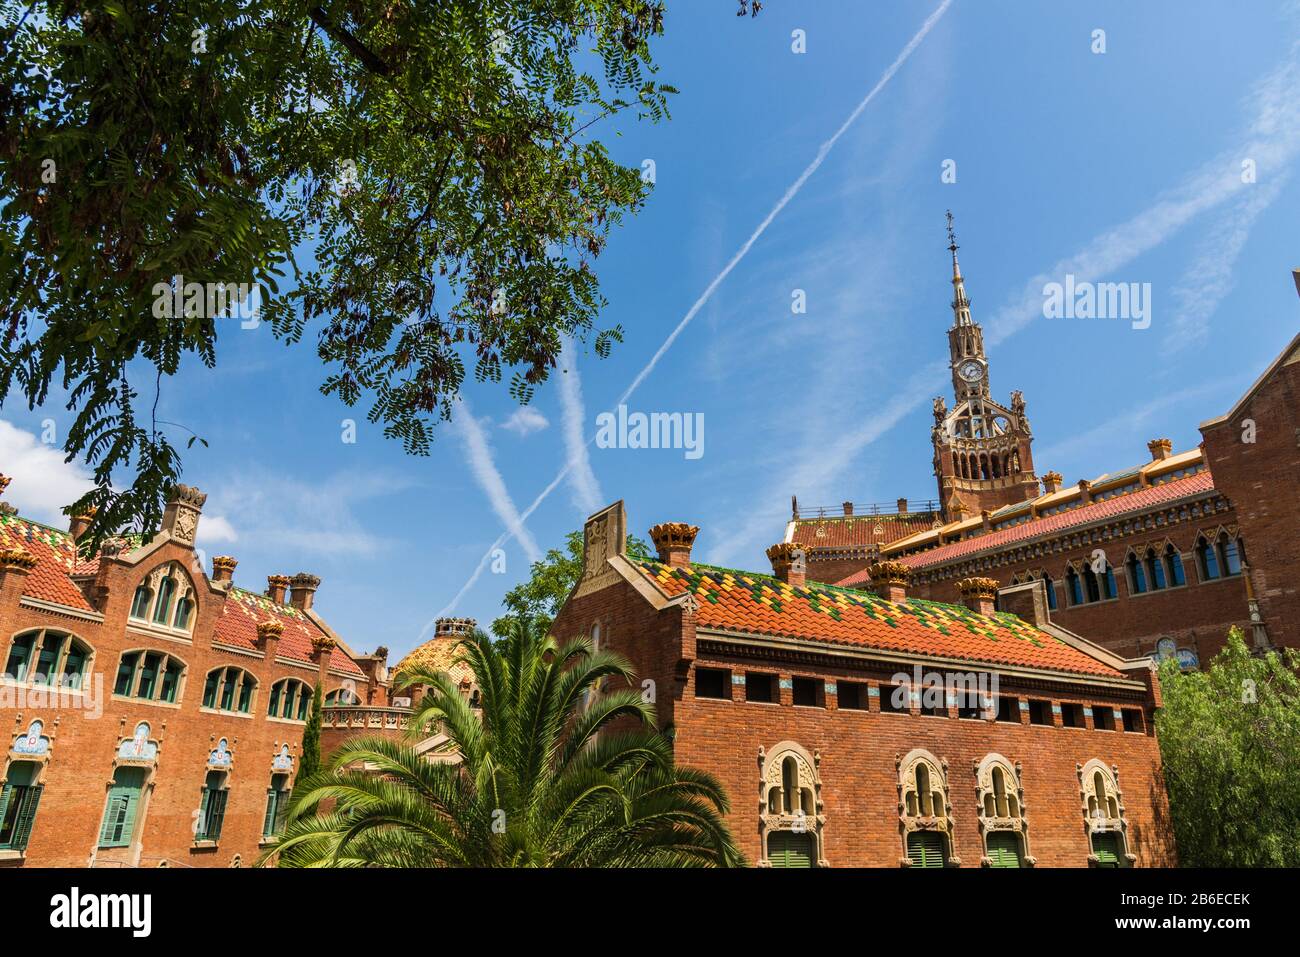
x=848 y=509
x=304 y=590
x=1051 y=482
x=985 y=520
x=15 y=564
x=978 y=594
x=454 y=627
x=673 y=541
x=181 y=517
x=789 y=562
x=1085 y=491
x=275 y=586
x=79 y=523
x=268 y=637
x=322 y=647
x=1027 y=601
x=1160 y=449
x=223 y=568
x=890 y=579
x=902 y=505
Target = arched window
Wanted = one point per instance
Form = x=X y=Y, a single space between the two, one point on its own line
x=1091 y=584
x=229 y=689
x=1108 y=587
x=1104 y=818
x=1002 y=813
x=49 y=657
x=165 y=599
x=791 y=819
x=289 y=699
x=1073 y=587
x=1137 y=575
x=150 y=675
x=1174 y=567
x=1155 y=570
x=212 y=806
x=342 y=696
x=1051 y=591
x=925 y=812
x=1206 y=559
x=1229 y=554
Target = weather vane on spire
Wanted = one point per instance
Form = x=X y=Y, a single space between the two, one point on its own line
x=952 y=236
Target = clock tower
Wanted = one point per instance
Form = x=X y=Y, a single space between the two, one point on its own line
x=982 y=458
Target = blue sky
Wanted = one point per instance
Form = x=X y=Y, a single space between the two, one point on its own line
x=1122 y=166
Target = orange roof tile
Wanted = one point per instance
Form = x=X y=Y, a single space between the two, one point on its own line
x=244 y=610
x=762 y=605
x=857 y=531
x=56 y=560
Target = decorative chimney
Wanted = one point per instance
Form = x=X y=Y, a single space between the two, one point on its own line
x=848 y=509
x=986 y=520
x=789 y=562
x=275 y=587
x=268 y=637
x=15 y=564
x=902 y=505
x=304 y=590
x=978 y=594
x=890 y=580
x=5 y=507
x=1052 y=482
x=1160 y=449
x=454 y=627
x=79 y=523
x=181 y=517
x=673 y=541
x=1085 y=491
x=223 y=568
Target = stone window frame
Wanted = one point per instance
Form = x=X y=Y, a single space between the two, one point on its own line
x=770 y=777
x=215 y=707
x=275 y=692
x=1214 y=540
x=167 y=657
x=68 y=638
x=149 y=764
x=184 y=591
x=942 y=823
x=1108 y=823
x=984 y=791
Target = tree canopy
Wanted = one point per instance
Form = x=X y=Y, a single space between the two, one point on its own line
x=419 y=185
x=1230 y=744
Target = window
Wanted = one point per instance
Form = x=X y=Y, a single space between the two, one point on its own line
x=1226 y=547
x=342 y=696
x=1105 y=848
x=1008 y=709
x=1137 y=576
x=788 y=849
x=894 y=699
x=713 y=683
x=149 y=675
x=851 y=696
x=1071 y=715
x=120 y=811
x=1206 y=559
x=1155 y=570
x=1103 y=811
x=925 y=849
x=1133 y=721
x=212 y=807
x=1040 y=712
x=807 y=692
x=290 y=698
x=18 y=802
x=165 y=599
x=1174 y=567
x=927 y=825
x=277 y=805
x=48 y=657
x=760 y=687
x=229 y=689
x=1051 y=591
x=1001 y=813
x=790 y=805
x=1103 y=717
x=1073 y=587
x=1003 y=849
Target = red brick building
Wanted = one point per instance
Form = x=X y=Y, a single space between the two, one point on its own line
x=1150 y=559
x=877 y=729
x=153 y=714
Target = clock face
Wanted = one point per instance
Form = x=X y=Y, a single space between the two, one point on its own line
x=971 y=371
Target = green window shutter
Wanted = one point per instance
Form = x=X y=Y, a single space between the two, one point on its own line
x=1004 y=849
x=1106 y=847
x=268 y=821
x=205 y=799
x=216 y=813
x=26 y=817
x=925 y=848
x=119 y=812
x=788 y=849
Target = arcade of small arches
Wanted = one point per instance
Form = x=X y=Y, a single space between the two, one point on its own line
x=792 y=818
x=986 y=465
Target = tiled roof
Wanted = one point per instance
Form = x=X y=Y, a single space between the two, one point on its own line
x=56 y=560
x=762 y=605
x=1137 y=501
x=244 y=610
x=859 y=530
x=439 y=654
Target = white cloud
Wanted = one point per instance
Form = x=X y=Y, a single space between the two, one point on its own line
x=478 y=453
x=525 y=420
x=215 y=529
x=586 y=488
x=43 y=484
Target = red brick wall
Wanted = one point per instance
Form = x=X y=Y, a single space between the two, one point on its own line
x=859 y=750
x=80 y=767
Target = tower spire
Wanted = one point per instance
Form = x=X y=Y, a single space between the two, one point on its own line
x=960 y=304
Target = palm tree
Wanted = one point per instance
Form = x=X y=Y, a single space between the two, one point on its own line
x=552 y=772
